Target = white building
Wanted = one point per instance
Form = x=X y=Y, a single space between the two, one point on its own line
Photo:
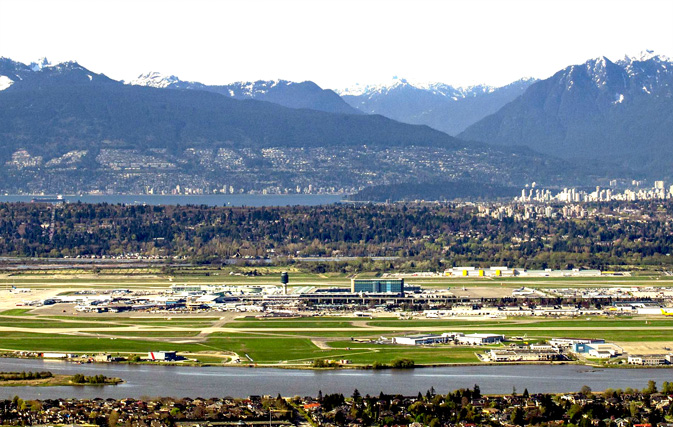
x=480 y=339
x=162 y=355
x=650 y=359
x=419 y=339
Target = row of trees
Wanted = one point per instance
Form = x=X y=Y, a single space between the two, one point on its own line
x=23 y=375
x=468 y=406
x=94 y=379
x=417 y=233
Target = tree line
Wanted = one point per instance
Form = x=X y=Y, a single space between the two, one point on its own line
x=413 y=235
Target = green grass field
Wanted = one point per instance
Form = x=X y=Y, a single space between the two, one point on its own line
x=283 y=341
x=293 y=341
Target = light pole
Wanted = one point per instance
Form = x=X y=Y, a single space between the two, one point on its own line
x=274 y=410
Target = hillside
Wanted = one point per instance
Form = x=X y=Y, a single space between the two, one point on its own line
x=440 y=106
x=64 y=128
x=616 y=111
x=282 y=92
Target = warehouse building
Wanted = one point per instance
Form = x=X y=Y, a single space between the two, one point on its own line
x=648 y=360
x=479 y=339
x=419 y=339
x=523 y=355
x=598 y=350
x=162 y=356
x=570 y=342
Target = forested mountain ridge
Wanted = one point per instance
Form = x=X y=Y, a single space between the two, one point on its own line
x=440 y=106
x=616 y=111
x=64 y=128
x=282 y=92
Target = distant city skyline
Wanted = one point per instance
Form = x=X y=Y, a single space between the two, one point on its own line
x=333 y=43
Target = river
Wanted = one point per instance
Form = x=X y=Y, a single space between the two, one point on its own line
x=209 y=199
x=175 y=381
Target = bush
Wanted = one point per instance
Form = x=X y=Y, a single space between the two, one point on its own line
x=402 y=364
x=320 y=363
x=81 y=379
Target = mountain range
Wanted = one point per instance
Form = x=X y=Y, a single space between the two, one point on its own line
x=619 y=111
x=282 y=92
x=66 y=128
x=440 y=106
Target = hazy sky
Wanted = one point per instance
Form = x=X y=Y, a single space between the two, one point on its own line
x=334 y=43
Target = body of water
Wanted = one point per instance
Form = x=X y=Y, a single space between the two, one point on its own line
x=210 y=199
x=175 y=381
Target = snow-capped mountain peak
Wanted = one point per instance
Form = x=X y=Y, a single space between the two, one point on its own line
x=249 y=89
x=39 y=64
x=5 y=82
x=154 y=79
x=434 y=88
x=646 y=55
x=597 y=69
x=383 y=87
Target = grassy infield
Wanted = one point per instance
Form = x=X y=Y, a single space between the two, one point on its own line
x=270 y=346
x=295 y=347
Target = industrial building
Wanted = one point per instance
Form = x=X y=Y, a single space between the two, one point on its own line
x=597 y=350
x=479 y=272
x=420 y=339
x=510 y=272
x=569 y=342
x=479 y=339
x=162 y=356
x=457 y=337
x=648 y=360
x=378 y=286
x=523 y=355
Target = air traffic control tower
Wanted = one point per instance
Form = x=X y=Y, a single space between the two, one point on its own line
x=284 y=280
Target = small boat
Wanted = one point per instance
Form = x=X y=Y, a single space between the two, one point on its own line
x=48 y=199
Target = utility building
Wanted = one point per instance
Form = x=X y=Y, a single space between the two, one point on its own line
x=164 y=356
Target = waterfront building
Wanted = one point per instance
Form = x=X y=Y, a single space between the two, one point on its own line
x=650 y=359
x=165 y=356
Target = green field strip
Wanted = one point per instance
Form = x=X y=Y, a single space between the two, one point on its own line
x=16 y=312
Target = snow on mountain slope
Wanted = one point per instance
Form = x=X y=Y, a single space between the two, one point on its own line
x=435 y=88
x=614 y=111
x=438 y=105
x=5 y=82
x=154 y=79
x=158 y=80
x=39 y=64
x=282 y=92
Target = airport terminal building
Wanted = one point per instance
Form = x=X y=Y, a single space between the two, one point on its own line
x=378 y=286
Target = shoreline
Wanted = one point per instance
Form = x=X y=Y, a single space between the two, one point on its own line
x=57 y=380
x=195 y=364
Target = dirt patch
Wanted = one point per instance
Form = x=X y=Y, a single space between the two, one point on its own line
x=321 y=343
x=10 y=298
x=652 y=347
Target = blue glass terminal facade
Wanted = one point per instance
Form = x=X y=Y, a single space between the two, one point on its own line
x=376 y=286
